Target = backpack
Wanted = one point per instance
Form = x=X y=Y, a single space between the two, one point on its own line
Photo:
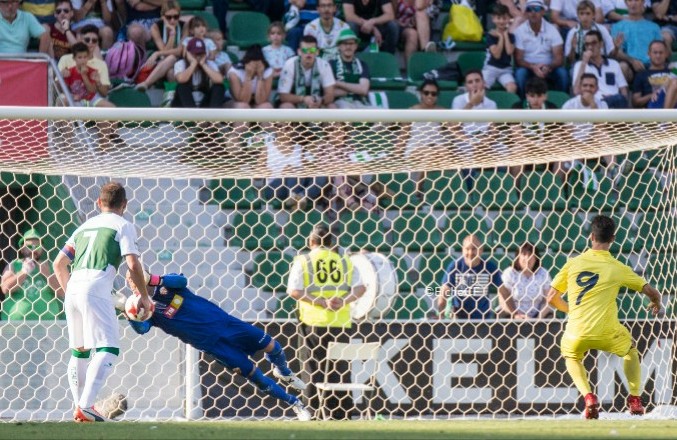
x=124 y=60
x=448 y=72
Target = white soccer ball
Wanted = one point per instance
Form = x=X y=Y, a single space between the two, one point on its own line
x=134 y=310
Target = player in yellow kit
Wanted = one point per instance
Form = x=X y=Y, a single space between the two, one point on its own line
x=592 y=281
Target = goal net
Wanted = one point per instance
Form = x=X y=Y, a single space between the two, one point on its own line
x=229 y=198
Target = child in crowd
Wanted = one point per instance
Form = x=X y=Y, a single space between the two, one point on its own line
x=573 y=46
x=197 y=28
x=83 y=81
x=277 y=53
x=500 y=50
x=222 y=58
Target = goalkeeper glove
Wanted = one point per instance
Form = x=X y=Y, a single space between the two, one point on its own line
x=151 y=280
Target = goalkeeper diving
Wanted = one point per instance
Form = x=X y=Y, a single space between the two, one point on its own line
x=204 y=325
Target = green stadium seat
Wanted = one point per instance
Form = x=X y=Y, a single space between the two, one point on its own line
x=543 y=191
x=430 y=267
x=286 y=308
x=564 y=232
x=384 y=70
x=407 y=306
x=422 y=62
x=255 y=231
x=495 y=190
x=446 y=97
x=399 y=99
x=625 y=234
x=129 y=97
x=234 y=194
x=247 y=29
x=208 y=17
x=632 y=305
x=271 y=270
x=460 y=225
x=404 y=273
x=447 y=190
x=589 y=198
x=655 y=230
x=416 y=232
x=642 y=191
x=503 y=99
x=553 y=263
x=239 y=5
x=467 y=46
x=558 y=98
x=661 y=272
x=468 y=61
x=192 y=5
x=362 y=231
x=510 y=230
x=300 y=225
x=404 y=189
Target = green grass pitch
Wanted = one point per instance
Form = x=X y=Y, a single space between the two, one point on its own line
x=391 y=430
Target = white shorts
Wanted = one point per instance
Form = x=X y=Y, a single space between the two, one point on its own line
x=491 y=74
x=92 y=321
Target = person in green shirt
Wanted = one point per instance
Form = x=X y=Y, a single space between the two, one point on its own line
x=32 y=291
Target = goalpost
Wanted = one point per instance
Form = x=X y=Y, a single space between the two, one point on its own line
x=404 y=185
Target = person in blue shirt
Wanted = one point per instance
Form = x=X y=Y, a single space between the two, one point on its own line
x=204 y=325
x=468 y=282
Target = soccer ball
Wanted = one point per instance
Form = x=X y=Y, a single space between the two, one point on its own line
x=134 y=311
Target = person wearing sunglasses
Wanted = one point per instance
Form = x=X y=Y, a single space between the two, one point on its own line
x=32 y=290
x=60 y=36
x=539 y=49
x=17 y=27
x=307 y=81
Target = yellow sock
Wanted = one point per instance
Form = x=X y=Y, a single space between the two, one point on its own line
x=633 y=371
x=579 y=375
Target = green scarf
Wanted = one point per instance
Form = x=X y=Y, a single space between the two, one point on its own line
x=300 y=86
x=349 y=72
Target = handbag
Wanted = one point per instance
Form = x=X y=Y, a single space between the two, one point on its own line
x=464 y=25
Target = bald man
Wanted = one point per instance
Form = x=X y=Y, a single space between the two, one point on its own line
x=468 y=282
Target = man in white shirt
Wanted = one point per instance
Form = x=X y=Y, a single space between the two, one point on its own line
x=613 y=89
x=307 y=80
x=539 y=49
x=326 y=29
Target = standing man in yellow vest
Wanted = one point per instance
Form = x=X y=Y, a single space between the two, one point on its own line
x=324 y=283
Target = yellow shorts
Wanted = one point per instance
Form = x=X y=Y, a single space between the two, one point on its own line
x=575 y=347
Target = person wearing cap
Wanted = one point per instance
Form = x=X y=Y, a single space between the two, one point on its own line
x=306 y=80
x=351 y=74
x=200 y=82
x=539 y=49
x=32 y=291
x=324 y=283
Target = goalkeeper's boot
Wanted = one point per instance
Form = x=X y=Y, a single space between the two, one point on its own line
x=292 y=380
x=112 y=406
x=88 y=415
x=301 y=411
x=635 y=406
x=591 y=407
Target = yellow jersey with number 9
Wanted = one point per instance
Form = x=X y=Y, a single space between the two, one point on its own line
x=592 y=281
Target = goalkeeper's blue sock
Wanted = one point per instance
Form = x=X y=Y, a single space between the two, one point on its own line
x=99 y=369
x=277 y=357
x=77 y=370
x=270 y=387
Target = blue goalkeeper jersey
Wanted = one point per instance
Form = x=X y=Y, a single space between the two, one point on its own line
x=199 y=322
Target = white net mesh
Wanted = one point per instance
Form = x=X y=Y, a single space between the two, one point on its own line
x=204 y=200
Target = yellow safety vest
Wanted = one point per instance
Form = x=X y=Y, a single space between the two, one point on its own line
x=325 y=274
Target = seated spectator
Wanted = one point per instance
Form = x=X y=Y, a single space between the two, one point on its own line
x=632 y=37
x=197 y=28
x=614 y=10
x=612 y=86
x=525 y=286
x=222 y=58
x=17 y=28
x=373 y=19
x=84 y=82
x=351 y=74
x=60 y=36
x=650 y=84
x=564 y=14
x=89 y=35
x=167 y=34
x=467 y=284
x=536 y=96
x=539 y=49
x=251 y=81
x=140 y=15
x=199 y=82
x=573 y=45
x=299 y=14
x=306 y=80
x=276 y=53
x=500 y=49
x=516 y=10
x=586 y=96
x=100 y=13
x=43 y=10
x=220 y=10
x=31 y=288
x=665 y=15
x=413 y=17
x=326 y=29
